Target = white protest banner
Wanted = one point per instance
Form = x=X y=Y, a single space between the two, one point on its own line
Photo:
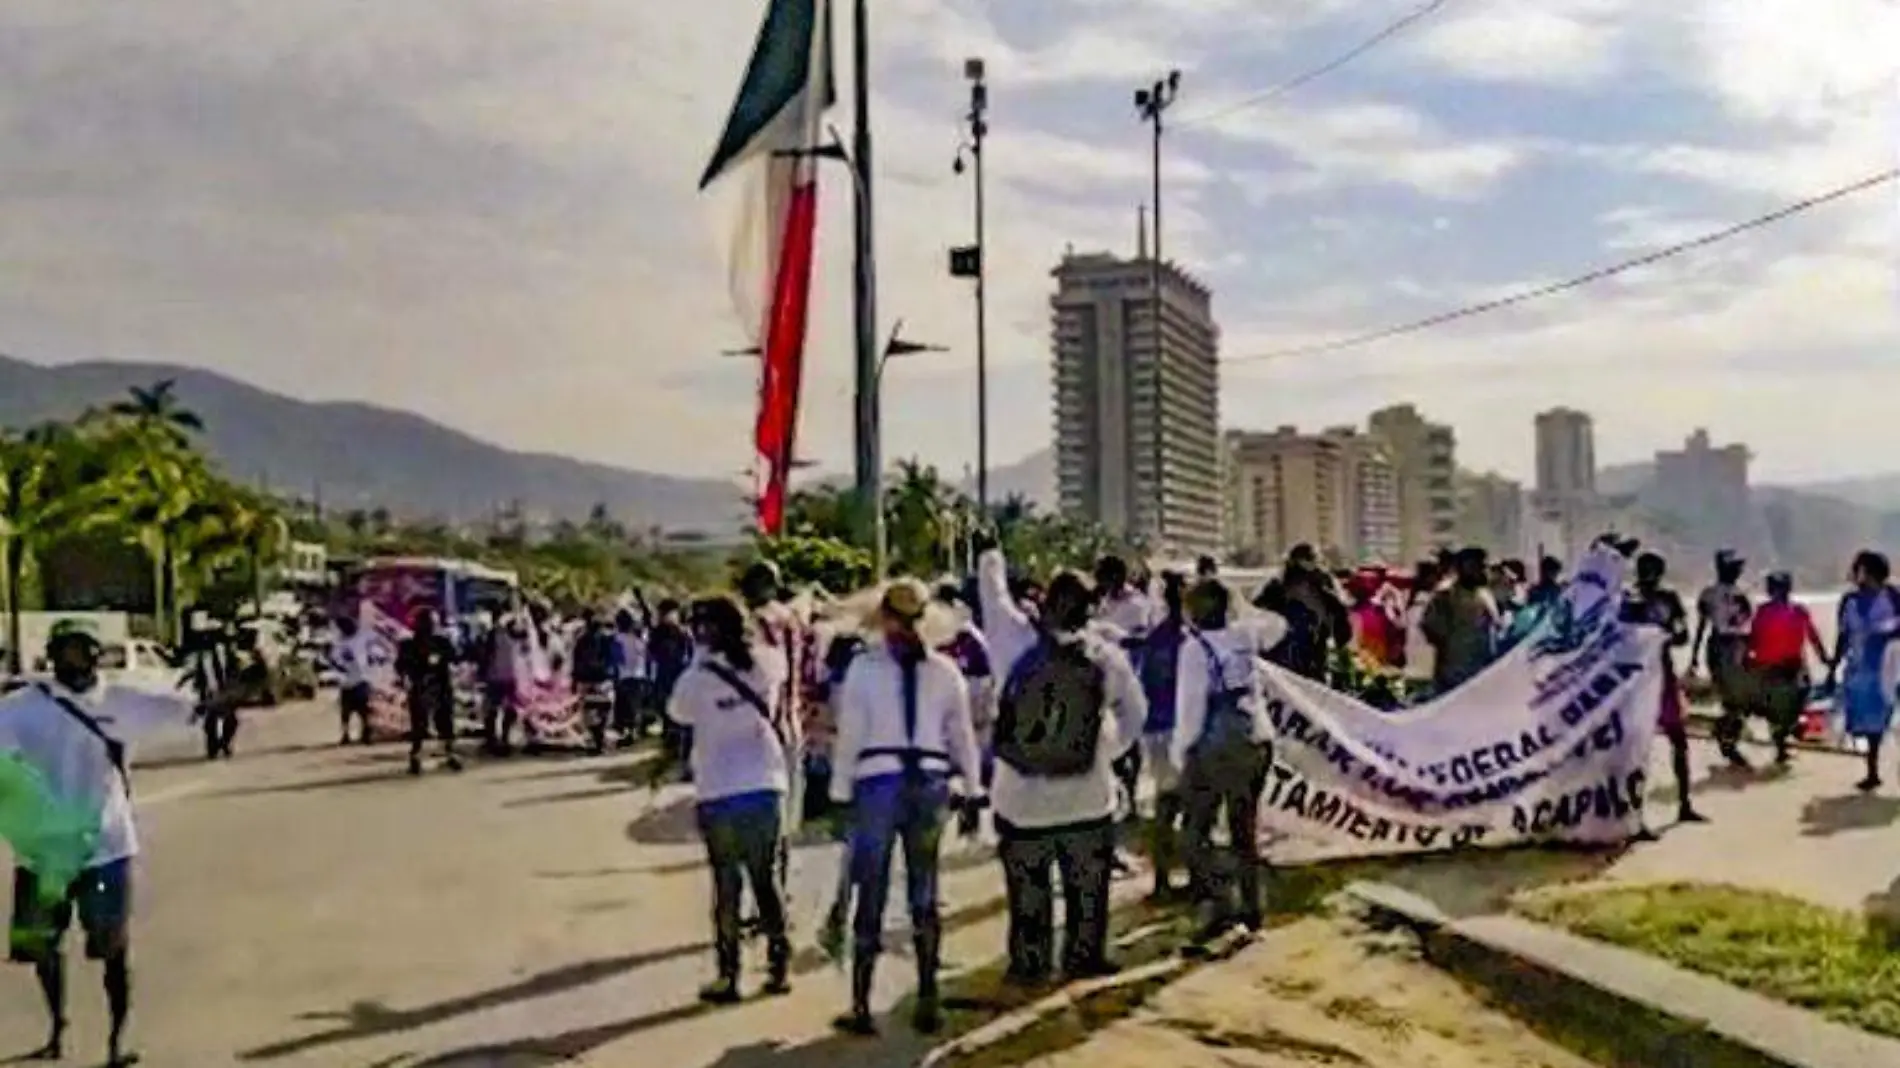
x=1550 y=743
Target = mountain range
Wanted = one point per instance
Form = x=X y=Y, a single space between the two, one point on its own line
x=363 y=456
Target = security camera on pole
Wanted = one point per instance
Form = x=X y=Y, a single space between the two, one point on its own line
x=966 y=261
x=1150 y=104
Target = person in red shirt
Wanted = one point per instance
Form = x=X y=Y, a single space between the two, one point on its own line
x=1778 y=640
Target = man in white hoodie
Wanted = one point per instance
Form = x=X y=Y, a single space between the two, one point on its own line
x=1222 y=743
x=903 y=732
x=1070 y=706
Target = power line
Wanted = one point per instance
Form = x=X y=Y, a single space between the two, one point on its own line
x=1597 y=275
x=1297 y=81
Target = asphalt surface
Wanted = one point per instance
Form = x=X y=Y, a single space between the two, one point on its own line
x=306 y=904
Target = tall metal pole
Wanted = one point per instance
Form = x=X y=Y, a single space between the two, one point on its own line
x=1151 y=103
x=869 y=451
x=979 y=128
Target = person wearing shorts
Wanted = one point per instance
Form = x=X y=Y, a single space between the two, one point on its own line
x=70 y=729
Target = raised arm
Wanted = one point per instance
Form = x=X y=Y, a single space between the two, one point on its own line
x=1005 y=626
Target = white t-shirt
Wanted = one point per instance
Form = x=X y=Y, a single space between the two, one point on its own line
x=1236 y=665
x=75 y=761
x=351 y=656
x=735 y=750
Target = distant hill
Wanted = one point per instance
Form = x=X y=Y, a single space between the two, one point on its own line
x=1033 y=478
x=363 y=456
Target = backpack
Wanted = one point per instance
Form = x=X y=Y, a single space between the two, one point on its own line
x=1228 y=723
x=1049 y=714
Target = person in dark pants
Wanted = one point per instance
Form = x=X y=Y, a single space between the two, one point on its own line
x=1723 y=615
x=730 y=698
x=425 y=662
x=1222 y=739
x=1780 y=635
x=1056 y=809
x=631 y=698
x=669 y=651
x=350 y=657
x=904 y=731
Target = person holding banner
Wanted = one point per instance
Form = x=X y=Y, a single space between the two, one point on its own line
x=1648 y=604
x=1223 y=744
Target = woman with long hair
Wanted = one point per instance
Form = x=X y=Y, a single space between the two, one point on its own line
x=730 y=698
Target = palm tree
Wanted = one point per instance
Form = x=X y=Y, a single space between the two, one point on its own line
x=916 y=511
x=32 y=507
x=157 y=409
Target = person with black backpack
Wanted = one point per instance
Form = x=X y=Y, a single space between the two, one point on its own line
x=903 y=733
x=1069 y=707
x=1222 y=744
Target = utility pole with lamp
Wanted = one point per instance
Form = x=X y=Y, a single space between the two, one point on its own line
x=1150 y=104
x=967 y=261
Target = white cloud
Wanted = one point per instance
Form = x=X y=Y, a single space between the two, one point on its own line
x=1562 y=42
x=1372 y=144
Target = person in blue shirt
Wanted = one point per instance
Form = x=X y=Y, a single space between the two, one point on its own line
x=1155 y=661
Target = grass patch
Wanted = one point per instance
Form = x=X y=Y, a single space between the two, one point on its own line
x=1834 y=963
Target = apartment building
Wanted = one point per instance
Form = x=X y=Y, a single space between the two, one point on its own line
x=1137 y=409
x=1424 y=455
x=1336 y=491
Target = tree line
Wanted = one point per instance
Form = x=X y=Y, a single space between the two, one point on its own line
x=133 y=474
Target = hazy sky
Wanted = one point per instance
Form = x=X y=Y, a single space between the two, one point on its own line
x=484 y=210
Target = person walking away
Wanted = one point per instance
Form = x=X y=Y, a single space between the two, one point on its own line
x=1222 y=742
x=971 y=651
x=73 y=730
x=1070 y=706
x=209 y=671
x=1461 y=623
x=630 y=682
x=779 y=626
x=669 y=651
x=1120 y=605
x=904 y=731
x=248 y=679
x=1779 y=637
x=1420 y=663
x=425 y=662
x=1722 y=619
x=1157 y=665
x=593 y=669
x=504 y=656
x=1648 y=604
x=841 y=651
x=1869 y=617
x=1317 y=620
x=730 y=698
x=350 y=655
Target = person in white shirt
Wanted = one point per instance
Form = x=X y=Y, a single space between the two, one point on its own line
x=350 y=655
x=72 y=730
x=630 y=683
x=903 y=732
x=1222 y=743
x=1057 y=812
x=729 y=697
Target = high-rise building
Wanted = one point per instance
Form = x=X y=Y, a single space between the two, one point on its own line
x=1492 y=514
x=1425 y=456
x=1706 y=485
x=1335 y=491
x=1566 y=454
x=1137 y=411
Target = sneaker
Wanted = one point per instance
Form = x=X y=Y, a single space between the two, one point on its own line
x=452 y=764
x=1868 y=785
x=926 y=1018
x=720 y=992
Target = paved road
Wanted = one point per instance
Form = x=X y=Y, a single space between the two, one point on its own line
x=306 y=905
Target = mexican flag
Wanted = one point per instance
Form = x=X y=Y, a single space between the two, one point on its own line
x=765 y=151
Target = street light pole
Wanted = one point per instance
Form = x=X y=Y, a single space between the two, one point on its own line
x=973 y=263
x=1151 y=103
x=869 y=455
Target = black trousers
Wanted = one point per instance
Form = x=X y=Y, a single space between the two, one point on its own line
x=742 y=846
x=1083 y=854
x=631 y=701
x=1225 y=781
x=220 y=727
x=431 y=711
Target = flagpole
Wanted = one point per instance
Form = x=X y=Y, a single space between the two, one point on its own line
x=870 y=461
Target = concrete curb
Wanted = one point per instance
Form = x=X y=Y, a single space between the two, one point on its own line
x=1623 y=1006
